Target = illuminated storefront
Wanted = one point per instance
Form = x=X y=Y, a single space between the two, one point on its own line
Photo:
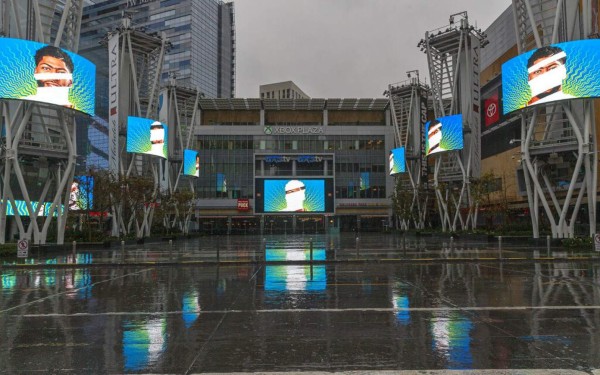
x=293 y=165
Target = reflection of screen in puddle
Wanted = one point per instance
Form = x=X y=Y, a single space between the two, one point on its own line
x=452 y=338
x=295 y=277
x=143 y=343
x=280 y=254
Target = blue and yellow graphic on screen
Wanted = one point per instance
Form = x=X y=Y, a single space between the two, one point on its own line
x=191 y=163
x=43 y=210
x=221 y=183
x=42 y=73
x=81 y=196
x=443 y=134
x=561 y=71
x=146 y=136
x=397 y=161
x=294 y=195
x=365 y=180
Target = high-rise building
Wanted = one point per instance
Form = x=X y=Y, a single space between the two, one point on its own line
x=202 y=53
x=282 y=90
x=201 y=33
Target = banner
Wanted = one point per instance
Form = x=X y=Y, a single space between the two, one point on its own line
x=113 y=104
x=492 y=110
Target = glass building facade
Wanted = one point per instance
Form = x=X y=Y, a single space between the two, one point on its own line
x=245 y=144
x=202 y=53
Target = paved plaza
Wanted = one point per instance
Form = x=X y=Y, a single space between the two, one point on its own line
x=264 y=307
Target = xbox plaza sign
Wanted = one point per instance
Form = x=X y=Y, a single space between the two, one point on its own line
x=299 y=130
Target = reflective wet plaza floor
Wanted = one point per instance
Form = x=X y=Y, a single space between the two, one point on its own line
x=294 y=316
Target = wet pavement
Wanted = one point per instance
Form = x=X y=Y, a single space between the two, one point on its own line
x=289 y=315
x=297 y=248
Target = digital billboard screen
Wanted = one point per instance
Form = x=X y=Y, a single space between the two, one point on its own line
x=191 y=163
x=444 y=134
x=560 y=71
x=294 y=195
x=81 y=196
x=43 y=209
x=42 y=73
x=397 y=161
x=221 y=183
x=147 y=136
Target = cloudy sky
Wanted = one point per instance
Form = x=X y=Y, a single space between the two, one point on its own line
x=341 y=48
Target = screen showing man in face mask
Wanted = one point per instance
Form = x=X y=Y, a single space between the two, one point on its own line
x=147 y=136
x=47 y=74
x=546 y=72
x=562 y=71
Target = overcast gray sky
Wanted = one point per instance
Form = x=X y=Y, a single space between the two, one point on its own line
x=341 y=48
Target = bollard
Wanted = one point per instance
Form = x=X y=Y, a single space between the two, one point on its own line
x=218 y=252
x=74 y=250
x=548 y=245
x=311 y=250
x=171 y=243
x=500 y=245
x=122 y=245
x=357 y=247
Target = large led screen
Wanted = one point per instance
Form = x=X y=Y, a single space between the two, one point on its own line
x=294 y=195
x=191 y=163
x=81 y=196
x=42 y=73
x=43 y=210
x=443 y=134
x=146 y=136
x=558 y=72
x=397 y=161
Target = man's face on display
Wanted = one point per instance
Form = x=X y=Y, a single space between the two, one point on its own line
x=53 y=72
x=295 y=193
x=547 y=73
x=435 y=137
x=157 y=134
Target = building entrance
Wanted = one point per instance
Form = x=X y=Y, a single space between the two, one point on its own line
x=294 y=224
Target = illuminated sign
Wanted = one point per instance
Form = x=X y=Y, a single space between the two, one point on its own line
x=243 y=204
x=277 y=159
x=47 y=74
x=309 y=159
x=397 y=161
x=552 y=73
x=294 y=195
x=191 y=163
x=443 y=134
x=81 y=196
x=146 y=136
x=293 y=130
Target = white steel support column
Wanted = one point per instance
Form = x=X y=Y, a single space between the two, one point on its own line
x=138 y=67
x=32 y=129
x=453 y=59
x=408 y=104
x=561 y=133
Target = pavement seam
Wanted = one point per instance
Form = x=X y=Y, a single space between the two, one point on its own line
x=70 y=291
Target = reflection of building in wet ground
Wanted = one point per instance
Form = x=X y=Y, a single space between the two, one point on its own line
x=153 y=319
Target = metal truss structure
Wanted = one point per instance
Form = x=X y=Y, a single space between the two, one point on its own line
x=408 y=102
x=39 y=153
x=453 y=58
x=558 y=140
x=180 y=109
x=138 y=68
